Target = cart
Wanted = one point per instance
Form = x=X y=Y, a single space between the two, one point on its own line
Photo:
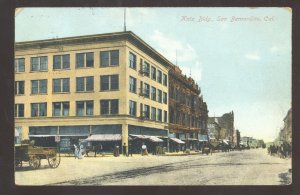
x=33 y=155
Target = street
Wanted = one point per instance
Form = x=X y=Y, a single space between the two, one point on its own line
x=249 y=167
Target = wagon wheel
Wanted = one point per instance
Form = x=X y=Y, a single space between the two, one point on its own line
x=54 y=160
x=18 y=163
x=35 y=162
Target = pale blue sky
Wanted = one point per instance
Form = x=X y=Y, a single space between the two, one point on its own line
x=244 y=66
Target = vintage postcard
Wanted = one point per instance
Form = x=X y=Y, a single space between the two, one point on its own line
x=153 y=96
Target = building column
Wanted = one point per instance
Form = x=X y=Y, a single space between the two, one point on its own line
x=25 y=132
x=125 y=137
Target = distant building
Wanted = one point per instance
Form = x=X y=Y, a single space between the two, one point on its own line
x=214 y=129
x=285 y=134
x=226 y=121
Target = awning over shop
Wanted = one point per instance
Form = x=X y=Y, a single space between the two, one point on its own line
x=192 y=139
x=104 y=137
x=42 y=135
x=225 y=142
x=16 y=133
x=177 y=140
x=148 y=137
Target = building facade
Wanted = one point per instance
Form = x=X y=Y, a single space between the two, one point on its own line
x=285 y=134
x=226 y=122
x=188 y=112
x=74 y=87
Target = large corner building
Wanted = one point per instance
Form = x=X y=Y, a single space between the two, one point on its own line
x=74 y=87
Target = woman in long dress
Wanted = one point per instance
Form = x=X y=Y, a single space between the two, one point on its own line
x=81 y=152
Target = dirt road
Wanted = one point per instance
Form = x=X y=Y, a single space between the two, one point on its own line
x=251 y=167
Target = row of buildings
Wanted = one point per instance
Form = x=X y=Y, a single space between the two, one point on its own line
x=222 y=128
x=113 y=86
x=285 y=134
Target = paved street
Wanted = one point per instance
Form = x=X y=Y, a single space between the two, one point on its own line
x=250 y=167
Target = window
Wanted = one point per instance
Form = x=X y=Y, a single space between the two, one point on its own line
x=153 y=73
x=159 y=96
x=165 y=80
x=132 y=108
x=146 y=90
x=60 y=108
x=19 y=87
x=39 y=86
x=146 y=69
x=19 y=110
x=85 y=60
x=108 y=107
x=20 y=65
x=38 y=109
x=146 y=111
x=132 y=60
x=153 y=113
x=165 y=98
x=61 y=85
x=153 y=93
x=159 y=115
x=132 y=84
x=84 y=108
x=109 y=82
x=84 y=84
x=39 y=63
x=109 y=58
x=61 y=62
x=165 y=116
x=159 y=76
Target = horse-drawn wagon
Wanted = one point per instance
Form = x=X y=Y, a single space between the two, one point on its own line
x=33 y=155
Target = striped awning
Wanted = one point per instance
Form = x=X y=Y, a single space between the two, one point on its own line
x=177 y=140
x=104 y=137
x=148 y=137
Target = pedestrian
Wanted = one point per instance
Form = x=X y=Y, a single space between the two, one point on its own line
x=124 y=150
x=81 y=152
x=144 y=150
x=76 y=151
x=130 y=149
x=116 y=151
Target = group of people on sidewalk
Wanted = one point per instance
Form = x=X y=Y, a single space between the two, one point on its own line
x=79 y=151
x=283 y=151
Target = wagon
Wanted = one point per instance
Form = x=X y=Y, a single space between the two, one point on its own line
x=34 y=155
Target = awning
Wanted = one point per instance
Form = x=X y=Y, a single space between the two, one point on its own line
x=104 y=137
x=192 y=139
x=225 y=142
x=16 y=133
x=148 y=137
x=177 y=140
x=42 y=135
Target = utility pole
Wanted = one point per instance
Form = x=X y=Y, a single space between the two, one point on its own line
x=124 y=19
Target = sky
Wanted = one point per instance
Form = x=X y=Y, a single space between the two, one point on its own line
x=240 y=57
